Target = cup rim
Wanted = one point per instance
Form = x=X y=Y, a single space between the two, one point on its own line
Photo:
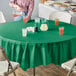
x=56 y=19
x=61 y=27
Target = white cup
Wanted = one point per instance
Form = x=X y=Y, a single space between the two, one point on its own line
x=37 y=20
x=24 y=32
x=31 y=29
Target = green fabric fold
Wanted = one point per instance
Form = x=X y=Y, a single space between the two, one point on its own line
x=40 y=48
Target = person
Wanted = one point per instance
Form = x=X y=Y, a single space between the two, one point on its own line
x=24 y=6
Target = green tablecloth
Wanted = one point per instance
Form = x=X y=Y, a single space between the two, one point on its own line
x=38 y=48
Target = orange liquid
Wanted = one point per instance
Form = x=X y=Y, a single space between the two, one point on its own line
x=15 y=15
x=24 y=20
x=56 y=22
x=61 y=31
x=42 y=1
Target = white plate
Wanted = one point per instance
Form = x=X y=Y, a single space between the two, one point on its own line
x=63 y=9
x=62 y=3
x=49 y=2
x=59 y=6
x=72 y=12
x=73 y=6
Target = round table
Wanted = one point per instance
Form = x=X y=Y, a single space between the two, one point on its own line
x=39 y=48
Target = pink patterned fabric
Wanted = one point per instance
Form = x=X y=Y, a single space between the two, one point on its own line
x=27 y=5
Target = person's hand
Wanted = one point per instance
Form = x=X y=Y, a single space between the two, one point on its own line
x=11 y=5
x=25 y=19
x=15 y=5
x=18 y=8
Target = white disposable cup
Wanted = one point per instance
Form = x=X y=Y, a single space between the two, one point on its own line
x=37 y=20
x=24 y=32
x=61 y=30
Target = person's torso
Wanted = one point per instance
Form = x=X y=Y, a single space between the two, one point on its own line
x=23 y=3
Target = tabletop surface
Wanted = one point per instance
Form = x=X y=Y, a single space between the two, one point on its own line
x=13 y=31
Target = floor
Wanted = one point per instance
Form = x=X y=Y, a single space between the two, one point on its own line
x=19 y=72
x=49 y=70
x=42 y=70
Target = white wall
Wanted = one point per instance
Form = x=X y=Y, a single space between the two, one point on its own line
x=4 y=7
x=7 y=10
x=35 y=12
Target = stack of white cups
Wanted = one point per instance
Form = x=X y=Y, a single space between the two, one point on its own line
x=24 y=31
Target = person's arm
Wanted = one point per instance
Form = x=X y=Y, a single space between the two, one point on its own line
x=30 y=9
x=11 y=3
x=15 y=5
